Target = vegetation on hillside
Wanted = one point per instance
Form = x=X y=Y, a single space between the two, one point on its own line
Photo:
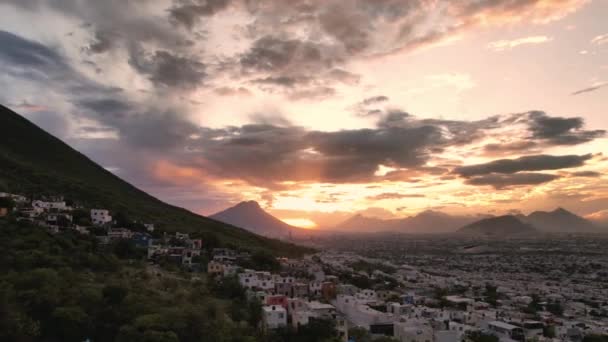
x=34 y=163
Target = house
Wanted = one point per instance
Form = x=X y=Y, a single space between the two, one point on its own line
x=141 y=240
x=299 y=290
x=328 y=290
x=182 y=236
x=230 y=270
x=277 y=300
x=273 y=317
x=99 y=217
x=215 y=268
x=49 y=205
x=188 y=256
x=119 y=233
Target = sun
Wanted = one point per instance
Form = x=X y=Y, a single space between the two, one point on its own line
x=301 y=223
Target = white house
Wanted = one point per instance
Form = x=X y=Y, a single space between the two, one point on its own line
x=49 y=205
x=274 y=316
x=100 y=216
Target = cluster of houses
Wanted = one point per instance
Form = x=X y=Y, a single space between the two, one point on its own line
x=298 y=294
x=56 y=215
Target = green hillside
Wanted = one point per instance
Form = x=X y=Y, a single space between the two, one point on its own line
x=34 y=162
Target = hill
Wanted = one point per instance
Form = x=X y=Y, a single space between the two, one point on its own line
x=34 y=162
x=361 y=223
x=426 y=222
x=501 y=226
x=249 y=215
x=560 y=221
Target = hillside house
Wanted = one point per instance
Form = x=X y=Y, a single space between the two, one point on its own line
x=273 y=317
x=99 y=217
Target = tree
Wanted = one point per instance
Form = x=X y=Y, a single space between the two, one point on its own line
x=70 y=323
x=556 y=309
x=114 y=295
x=359 y=334
x=478 y=336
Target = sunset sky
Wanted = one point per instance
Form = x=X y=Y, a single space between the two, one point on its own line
x=319 y=109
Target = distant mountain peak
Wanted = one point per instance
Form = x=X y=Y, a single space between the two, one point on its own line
x=251 y=216
x=559 y=220
x=248 y=204
x=561 y=211
x=500 y=226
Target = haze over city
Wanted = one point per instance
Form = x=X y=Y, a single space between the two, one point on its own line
x=319 y=110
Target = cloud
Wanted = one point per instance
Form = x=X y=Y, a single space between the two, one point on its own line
x=527 y=163
x=166 y=69
x=500 y=181
x=600 y=216
x=503 y=45
x=600 y=40
x=520 y=146
x=228 y=91
x=590 y=89
x=188 y=13
x=590 y=174
x=560 y=130
x=104 y=41
x=17 y=51
x=374 y=100
x=393 y=195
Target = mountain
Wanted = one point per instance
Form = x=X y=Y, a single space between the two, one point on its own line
x=559 y=221
x=249 y=215
x=500 y=226
x=361 y=223
x=430 y=221
x=426 y=222
x=34 y=162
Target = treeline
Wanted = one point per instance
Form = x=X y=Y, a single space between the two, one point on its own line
x=64 y=288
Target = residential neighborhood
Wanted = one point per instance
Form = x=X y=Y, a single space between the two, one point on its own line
x=426 y=299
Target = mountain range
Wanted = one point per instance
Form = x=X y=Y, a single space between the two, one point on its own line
x=426 y=222
x=34 y=162
x=433 y=222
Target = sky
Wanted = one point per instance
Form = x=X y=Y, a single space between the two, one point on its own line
x=320 y=109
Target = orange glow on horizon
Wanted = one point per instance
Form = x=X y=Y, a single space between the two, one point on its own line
x=301 y=223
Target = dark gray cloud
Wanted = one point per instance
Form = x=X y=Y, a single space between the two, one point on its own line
x=129 y=18
x=17 y=51
x=590 y=174
x=166 y=69
x=104 y=41
x=559 y=130
x=138 y=125
x=285 y=55
x=500 y=181
x=589 y=89
x=30 y=60
x=527 y=163
x=284 y=81
x=509 y=147
x=188 y=12
x=374 y=100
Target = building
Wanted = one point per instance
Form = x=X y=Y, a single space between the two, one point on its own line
x=49 y=205
x=506 y=331
x=99 y=217
x=273 y=317
x=119 y=233
x=215 y=268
